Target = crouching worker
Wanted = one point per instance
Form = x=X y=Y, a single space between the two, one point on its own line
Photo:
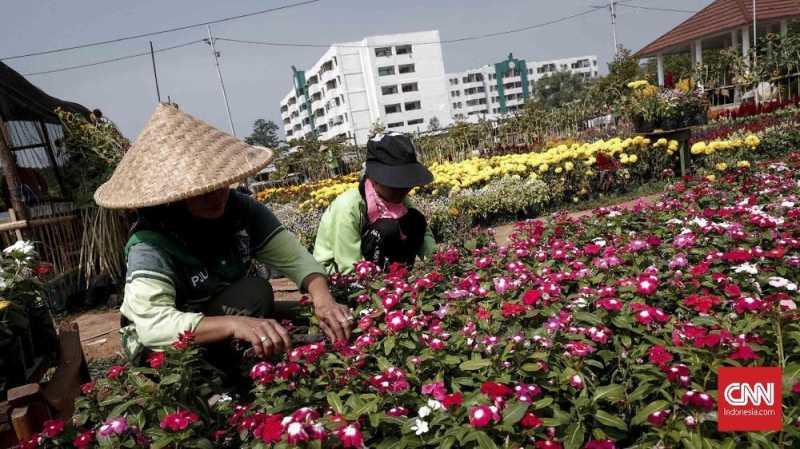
x=377 y=221
x=191 y=251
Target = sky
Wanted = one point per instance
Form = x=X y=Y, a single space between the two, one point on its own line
x=257 y=77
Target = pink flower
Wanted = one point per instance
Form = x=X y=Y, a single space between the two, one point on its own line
x=578 y=349
x=350 y=436
x=156 y=359
x=435 y=389
x=480 y=415
x=501 y=285
x=483 y=262
x=548 y=444
x=659 y=356
x=576 y=382
x=393 y=380
x=743 y=305
x=83 y=440
x=396 y=321
x=52 y=428
x=610 y=304
x=179 y=420
x=112 y=426
x=296 y=433
x=600 y=444
x=262 y=373
x=527 y=393
x=679 y=374
x=398 y=411
x=115 y=371
x=365 y=270
x=658 y=418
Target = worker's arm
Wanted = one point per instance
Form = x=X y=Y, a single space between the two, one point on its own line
x=338 y=243
x=428 y=244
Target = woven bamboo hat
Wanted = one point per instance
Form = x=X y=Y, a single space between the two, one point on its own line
x=176 y=157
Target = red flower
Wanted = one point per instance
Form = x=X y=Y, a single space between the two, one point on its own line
x=350 y=436
x=646 y=285
x=156 y=359
x=743 y=305
x=453 y=400
x=269 y=428
x=658 y=418
x=744 y=352
x=531 y=297
x=83 y=440
x=115 y=371
x=530 y=421
x=483 y=314
x=179 y=420
x=578 y=349
x=659 y=356
x=43 y=269
x=512 y=309
x=52 y=428
x=495 y=390
x=480 y=415
x=733 y=290
x=610 y=304
x=698 y=400
x=87 y=388
x=701 y=303
x=262 y=373
x=796 y=388
x=679 y=374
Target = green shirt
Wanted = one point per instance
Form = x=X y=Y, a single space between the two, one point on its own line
x=166 y=281
x=338 y=244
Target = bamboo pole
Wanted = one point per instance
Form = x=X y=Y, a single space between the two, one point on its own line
x=11 y=173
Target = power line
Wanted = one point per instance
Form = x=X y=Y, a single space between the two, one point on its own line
x=441 y=41
x=155 y=33
x=107 y=61
x=654 y=8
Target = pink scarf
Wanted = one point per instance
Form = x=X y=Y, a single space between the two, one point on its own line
x=378 y=208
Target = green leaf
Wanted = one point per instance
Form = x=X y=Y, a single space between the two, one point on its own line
x=514 y=413
x=336 y=402
x=531 y=367
x=171 y=379
x=200 y=443
x=574 y=436
x=610 y=393
x=475 y=364
x=588 y=318
x=607 y=419
x=641 y=391
x=388 y=344
x=121 y=408
x=644 y=412
x=484 y=442
x=447 y=443
x=542 y=403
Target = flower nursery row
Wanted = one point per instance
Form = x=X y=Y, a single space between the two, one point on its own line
x=600 y=332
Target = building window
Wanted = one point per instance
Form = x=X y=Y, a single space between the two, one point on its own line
x=392 y=108
x=394 y=125
x=454 y=81
x=476 y=102
x=530 y=71
x=410 y=87
x=455 y=93
x=383 y=52
x=406 y=68
x=458 y=105
x=389 y=90
x=403 y=49
x=416 y=121
x=386 y=70
x=413 y=105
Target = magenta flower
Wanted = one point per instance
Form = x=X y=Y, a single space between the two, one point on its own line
x=179 y=420
x=646 y=285
x=658 y=418
x=600 y=444
x=699 y=400
x=396 y=321
x=481 y=415
x=350 y=436
x=113 y=426
x=53 y=428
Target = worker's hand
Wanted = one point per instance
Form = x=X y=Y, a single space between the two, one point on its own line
x=335 y=320
x=267 y=336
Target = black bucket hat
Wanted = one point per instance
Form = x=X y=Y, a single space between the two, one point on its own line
x=392 y=162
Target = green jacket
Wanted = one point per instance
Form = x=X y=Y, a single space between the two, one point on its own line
x=338 y=245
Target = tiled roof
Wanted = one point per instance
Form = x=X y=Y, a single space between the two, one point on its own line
x=719 y=16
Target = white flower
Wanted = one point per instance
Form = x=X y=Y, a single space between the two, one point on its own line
x=614 y=213
x=701 y=222
x=424 y=411
x=21 y=246
x=788 y=204
x=599 y=242
x=434 y=404
x=746 y=268
x=419 y=427
x=779 y=282
x=675 y=221
x=3 y=284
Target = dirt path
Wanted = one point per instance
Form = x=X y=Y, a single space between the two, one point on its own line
x=503 y=232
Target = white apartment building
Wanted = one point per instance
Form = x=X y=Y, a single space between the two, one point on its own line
x=493 y=90
x=396 y=79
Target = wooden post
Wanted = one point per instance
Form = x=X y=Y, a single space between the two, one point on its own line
x=11 y=174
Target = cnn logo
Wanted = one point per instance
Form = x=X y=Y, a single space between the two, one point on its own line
x=749 y=399
x=740 y=394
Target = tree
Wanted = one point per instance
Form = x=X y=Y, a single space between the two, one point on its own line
x=265 y=134
x=559 y=88
x=433 y=124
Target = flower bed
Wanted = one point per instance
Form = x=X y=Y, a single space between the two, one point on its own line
x=604 y=332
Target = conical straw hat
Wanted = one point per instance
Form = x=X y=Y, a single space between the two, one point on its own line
x=176 y=157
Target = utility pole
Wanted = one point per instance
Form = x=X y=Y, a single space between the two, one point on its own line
x=210 y=41
x=155 y=73
x=611 y=4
